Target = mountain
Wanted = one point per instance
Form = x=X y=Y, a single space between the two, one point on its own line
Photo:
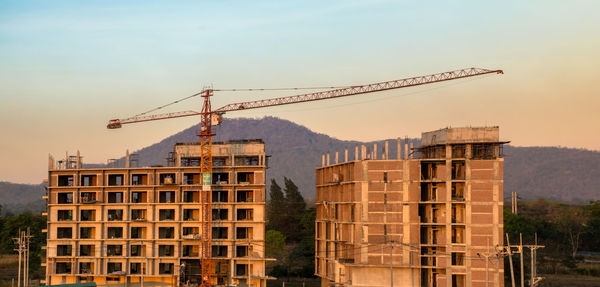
x=552 y=172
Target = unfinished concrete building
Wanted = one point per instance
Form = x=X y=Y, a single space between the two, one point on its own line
x=426 y=218
x=141 y=225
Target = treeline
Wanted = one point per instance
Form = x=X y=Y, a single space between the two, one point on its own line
x=10 y=225
x=290 y=232
x=570 y=234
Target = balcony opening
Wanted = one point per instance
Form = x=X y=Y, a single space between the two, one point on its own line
x=88 y=197
x=245 y=214
x=219 y=196
x=429 y=191
x=245 y=178
x=136 y=250
x=115 y=214
x=244 y=196
x=190 y=232
x=166 y=214
x=166 y=250
x=114 y=250
x=139 y=197
x=138 y=232
x=191 y=214
x=458 y=258
x=219 y=214
x=115 y=197
x=458 y=170
x=458 y=213
x=63 y=250
x=484 y=151
x=459 y=151
x=64 y=215
x=458 y=280
x=115 y=179
x=219 y=251
x=167 y=178
x=219 y=232
x=62 y=268
x=219 y=161
x=191 y=251
x=241 y=269
x=139 y=179
x=113 y=267
x=86 y=268
x=65 y=197
x=166 y=232
x=135 y=268
x=167 y=197
x=115 y=232
x=242 y=251
x=86 y=250
x=433 y=170
x=64 y=232
x=243 y=233
x=246 y=160
x=165 y=268
x=191 y=196
x=65 y=180
x=88 y=215
x=191 y=178
x=88 y=180
x=86 y=233
x=220 y=178
x=138 y=214
x=458 y=234
x=458 y=191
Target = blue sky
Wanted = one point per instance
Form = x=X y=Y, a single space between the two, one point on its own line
x=70 y=66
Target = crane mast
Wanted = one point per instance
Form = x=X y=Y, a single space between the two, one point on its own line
x=206 y=134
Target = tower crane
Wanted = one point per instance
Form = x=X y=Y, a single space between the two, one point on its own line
x=210 y=118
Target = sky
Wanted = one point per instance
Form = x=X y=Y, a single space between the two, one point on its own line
x=67 y=67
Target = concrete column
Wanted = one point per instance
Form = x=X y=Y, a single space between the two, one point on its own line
x=411 y=150
x=126 y=158
x=336 y=158
x=374 y=151
x=387 y=150
x=346 y=155
x=327 y=158
x=356 y=153
x=399 y=144
x=406 y=148
x=323 y=160
x=363 y=152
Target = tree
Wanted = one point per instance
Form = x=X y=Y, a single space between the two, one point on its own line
x=571 y=222
x=294 y=200
x=276 y=207
x=275 y=244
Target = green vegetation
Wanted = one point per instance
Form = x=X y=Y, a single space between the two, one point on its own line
x=569 y=233
x=290 y=232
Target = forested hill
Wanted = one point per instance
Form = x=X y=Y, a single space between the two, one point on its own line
x=551 y=172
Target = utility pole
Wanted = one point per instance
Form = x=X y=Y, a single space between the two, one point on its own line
x=509 y=251
x=20 y=241
x=487 y=257
x=534 y=278
x=521 y=251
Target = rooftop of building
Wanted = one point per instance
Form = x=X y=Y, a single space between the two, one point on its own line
x=461 y=135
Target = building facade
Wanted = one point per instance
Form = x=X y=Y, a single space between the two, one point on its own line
x=432 y=216
x=142 y=225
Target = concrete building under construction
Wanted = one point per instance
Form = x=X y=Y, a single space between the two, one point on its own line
x=430 y=217
x=141 y=225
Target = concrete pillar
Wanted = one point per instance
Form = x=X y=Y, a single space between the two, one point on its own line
x=387 y=150
x=399 y=144
x=374 y=151
x=363 y=152
x=411 y=150
x=327 y=158
x=405 y=148
x=346 y=155
x=126 y=158
x=336 y=158
x=356 y=153
x=322 y=159
x=78 y=160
